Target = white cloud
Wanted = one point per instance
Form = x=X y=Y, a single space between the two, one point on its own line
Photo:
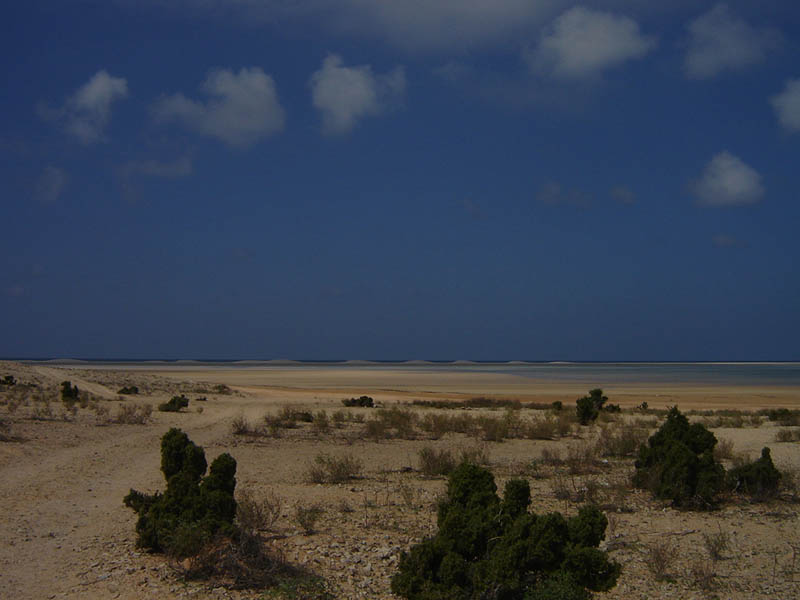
x=153 y=168
x=86 y=113
x=583 y=42
x=787 y=105
x=346 y=94
x=51 y=184
x=242 y=107
x=727 y=181
x=720 y=41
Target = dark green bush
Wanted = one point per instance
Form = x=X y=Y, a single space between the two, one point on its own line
x=758 y=479
x=364 y=401
x=194 y=508
x=129 y=390
x=8 y=380
x=69 y=393
x=557 y=406
x=678 y=464
x=586 y=410
x=492 y=548
x=175 y=404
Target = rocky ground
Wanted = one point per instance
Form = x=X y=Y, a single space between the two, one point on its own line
x=64 y=532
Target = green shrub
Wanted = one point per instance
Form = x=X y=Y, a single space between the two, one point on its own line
x=678 y=463
x=175 y=404
x=486 y=547
x=194 y=508
x=8 y=380
x=557 y=406
x=585 y=410
x=588 y=407
x=363 y=401
x=129 y=390
x=69 y=393
x=758 y=479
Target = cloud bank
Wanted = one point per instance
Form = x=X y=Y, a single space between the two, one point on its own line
x=720 y=41
x=242 y=107
x=344 y=95
x=727 y=181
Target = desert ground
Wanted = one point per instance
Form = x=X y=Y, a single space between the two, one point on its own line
x=65 y=533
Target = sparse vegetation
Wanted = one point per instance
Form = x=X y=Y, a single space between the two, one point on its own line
x=659 y=558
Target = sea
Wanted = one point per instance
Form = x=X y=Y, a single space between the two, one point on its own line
x=591 y=373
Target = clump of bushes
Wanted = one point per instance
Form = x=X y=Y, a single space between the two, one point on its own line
x=194 y=508
x=175 y=404
x=8 y=380
x=363 y=401
x=131 y=390
x=678 y=463
x=488 y=547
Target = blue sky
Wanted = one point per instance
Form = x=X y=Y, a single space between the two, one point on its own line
x=471 y=179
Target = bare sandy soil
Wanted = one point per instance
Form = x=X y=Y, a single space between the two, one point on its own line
x=64 y=532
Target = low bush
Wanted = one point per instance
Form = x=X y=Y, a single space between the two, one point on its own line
x=621 y=441
x=69 y=393
x=362 y=401
x=787 y=435
x=487 y=547
x=783 y=416
x=659 y=558
x=175 y=404
x=758 y=479
x=434 y=463
x=129 y=390
x=133 y=414
x=333 y=469
x=257 y=513
x=8 y=380
x=321 y=423
x=307 y=516
x=194 y=508
x=717 y=543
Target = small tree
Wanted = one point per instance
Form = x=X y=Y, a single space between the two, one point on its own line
x=491 y=548
x=194 y=508
x=590 y=406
